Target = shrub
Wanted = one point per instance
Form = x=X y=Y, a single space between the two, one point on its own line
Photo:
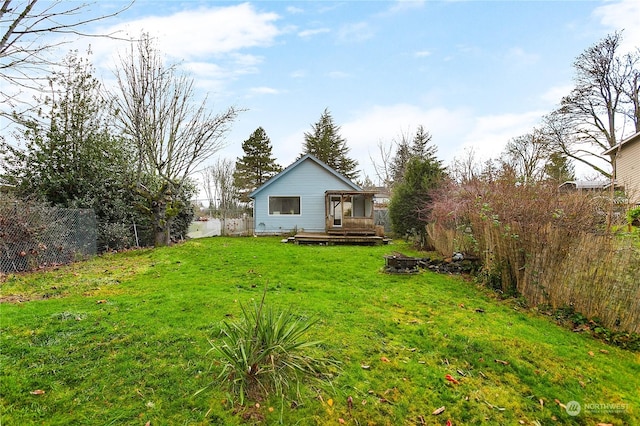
x=114 y=236
x=633 y=216
x=264 y=353
x=548 y=247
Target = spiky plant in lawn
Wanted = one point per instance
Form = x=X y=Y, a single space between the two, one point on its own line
x=264 y=353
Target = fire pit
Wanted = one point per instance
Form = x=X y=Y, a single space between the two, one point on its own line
x=398 y=263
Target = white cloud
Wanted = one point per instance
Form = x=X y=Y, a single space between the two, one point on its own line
x=355 y=32
x=309 y=33
x=453 y=130
x=264 y=91
x=200 y=33
x=294 y=10
x=620 y=15
x=208 y=42
x=555 y=94
x=488 y=135
x=518 y=56
x=404 y=5
x=386 y=123
x=422 y=54
x=298 y=74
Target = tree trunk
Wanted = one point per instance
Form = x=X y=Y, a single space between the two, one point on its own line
x=161 y=224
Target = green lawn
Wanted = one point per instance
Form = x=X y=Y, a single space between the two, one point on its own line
x=123 y=339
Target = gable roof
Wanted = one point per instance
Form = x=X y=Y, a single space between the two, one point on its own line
x=631 y=138
x=306 y=157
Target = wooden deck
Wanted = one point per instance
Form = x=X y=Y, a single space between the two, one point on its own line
x=325 y=239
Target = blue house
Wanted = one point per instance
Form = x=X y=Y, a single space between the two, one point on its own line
x=311 y=197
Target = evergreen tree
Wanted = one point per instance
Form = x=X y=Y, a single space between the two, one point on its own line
x=400 y=160
x=559 y=169
x=407 y=149
x=410 y=204
x=256 y=166
x=325 y=143
x=420 y=147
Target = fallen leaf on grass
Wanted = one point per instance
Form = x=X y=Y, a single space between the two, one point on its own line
x=452 y=379
x=99 y=302
x=330 y=402
x=349 y=403
x=438 y=411
x=604 y=351
x=365 y=367
x=591 y=353
x=449 y=423
x=37 y=392
x=605 y=424
x=341 y=421
x=499 y=361
x=560 y=403
x=384 y=359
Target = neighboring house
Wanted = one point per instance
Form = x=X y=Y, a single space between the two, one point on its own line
x=584 y=185
x=628 y=166
x=382 y=197
x=310 y=196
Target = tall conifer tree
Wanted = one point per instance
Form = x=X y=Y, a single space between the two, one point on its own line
x=257 y=165
x=325 y=143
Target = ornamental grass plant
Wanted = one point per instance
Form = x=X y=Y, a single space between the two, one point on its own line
x=267 y=352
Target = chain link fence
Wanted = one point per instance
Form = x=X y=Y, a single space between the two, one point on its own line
x=34 y=235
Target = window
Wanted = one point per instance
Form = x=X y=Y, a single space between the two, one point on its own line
x=284 y=205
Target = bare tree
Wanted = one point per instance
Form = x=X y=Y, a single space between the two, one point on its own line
x=632 y=89
x=156 y=107
x=527 y=154
x=558 y=128
x=382 y=167
x=464 y=169
x=605 y=83
x=26 y=28
x=219 y=185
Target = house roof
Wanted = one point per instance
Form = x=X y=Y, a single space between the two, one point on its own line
x=306 y=157
x=584 y=184
x=631 y=138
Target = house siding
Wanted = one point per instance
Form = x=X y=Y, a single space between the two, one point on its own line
x=309 y=181
x=628 y=169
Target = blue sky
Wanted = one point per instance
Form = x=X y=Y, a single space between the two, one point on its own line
x=473 y=73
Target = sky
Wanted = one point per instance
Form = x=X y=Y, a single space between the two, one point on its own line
x=473 y=73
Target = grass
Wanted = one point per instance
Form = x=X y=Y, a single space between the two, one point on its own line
x=123 y=339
